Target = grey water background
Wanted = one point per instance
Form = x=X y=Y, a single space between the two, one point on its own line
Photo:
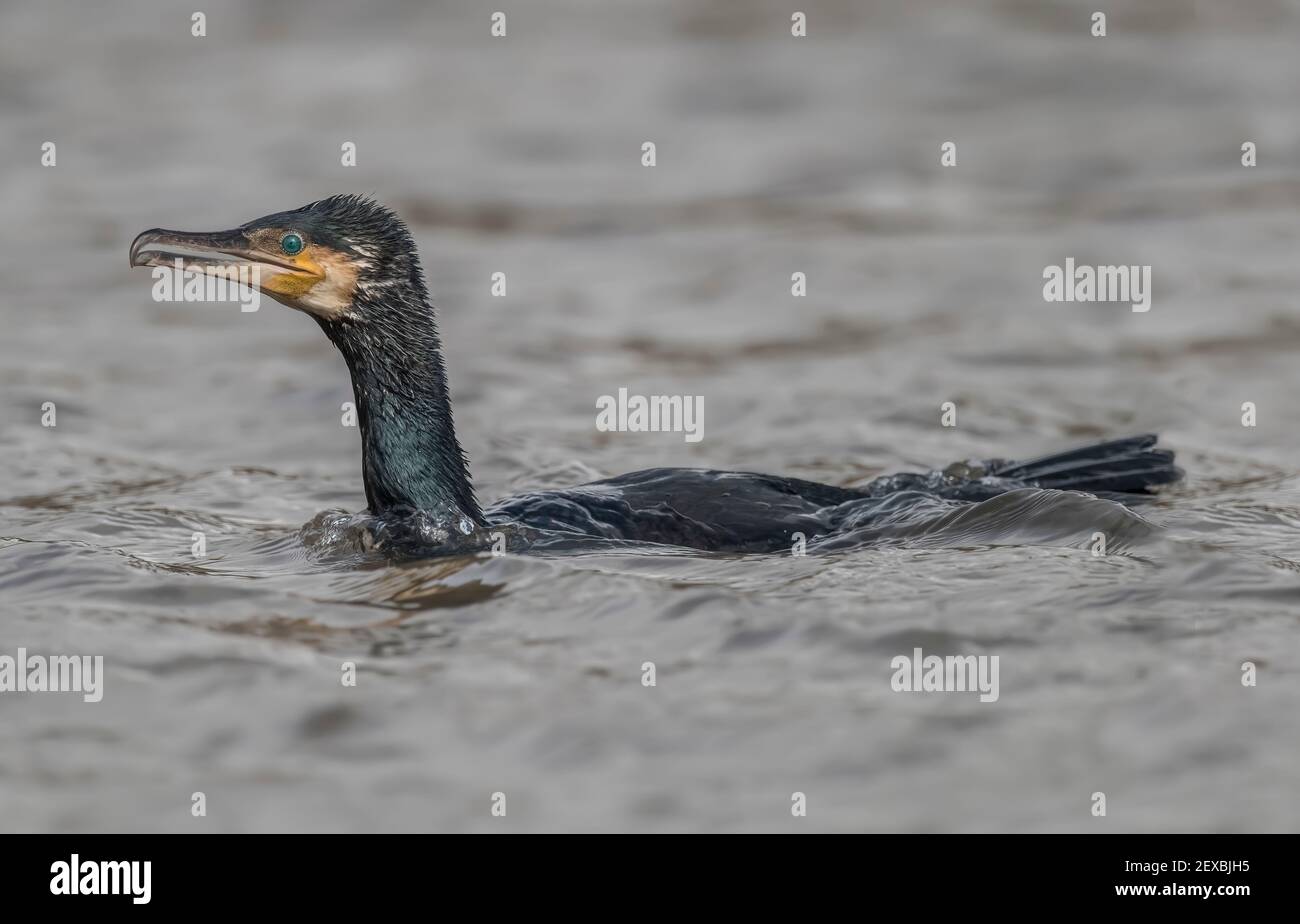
x=521 y=155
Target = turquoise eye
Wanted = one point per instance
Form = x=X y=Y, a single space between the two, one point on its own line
x=291 y=243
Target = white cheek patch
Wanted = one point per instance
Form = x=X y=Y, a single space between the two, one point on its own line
x=332 y=296
x=327 y=298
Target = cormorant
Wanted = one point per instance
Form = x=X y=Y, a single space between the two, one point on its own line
x=352 y=265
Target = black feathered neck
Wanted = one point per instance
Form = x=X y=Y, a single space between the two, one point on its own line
x=411 y=459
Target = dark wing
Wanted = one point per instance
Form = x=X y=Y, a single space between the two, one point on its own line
x=698 y=508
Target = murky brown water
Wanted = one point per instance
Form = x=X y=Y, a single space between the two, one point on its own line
x=522 y=675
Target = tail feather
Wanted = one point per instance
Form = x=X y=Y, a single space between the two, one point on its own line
x=1125 y=466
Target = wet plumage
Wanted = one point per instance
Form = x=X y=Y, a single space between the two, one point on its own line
x=353 y=266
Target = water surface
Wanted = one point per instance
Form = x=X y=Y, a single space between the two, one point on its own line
x=523 y=674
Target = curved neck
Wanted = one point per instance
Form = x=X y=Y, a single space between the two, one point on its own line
x=410 y=456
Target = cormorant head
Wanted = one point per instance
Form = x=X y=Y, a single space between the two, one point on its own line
x=351 y=264
x=323 y=258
